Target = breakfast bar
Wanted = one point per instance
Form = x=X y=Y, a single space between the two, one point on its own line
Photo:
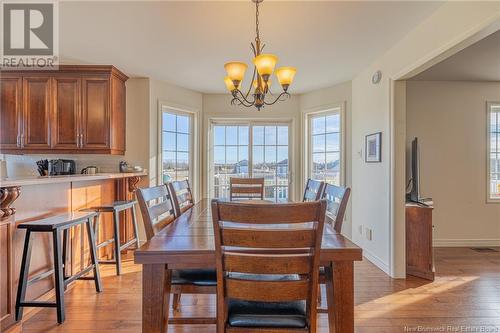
x=31 y=198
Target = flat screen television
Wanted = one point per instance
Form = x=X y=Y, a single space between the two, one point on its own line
x=414 y=194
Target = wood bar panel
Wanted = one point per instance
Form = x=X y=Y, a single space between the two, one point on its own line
x=7 y=301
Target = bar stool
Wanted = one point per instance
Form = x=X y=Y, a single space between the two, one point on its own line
x=55 y=225
x=115 y=208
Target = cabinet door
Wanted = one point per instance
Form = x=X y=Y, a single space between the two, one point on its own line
x=36 y=112
x=66 y=116
x=95 y=115
x=10 y=116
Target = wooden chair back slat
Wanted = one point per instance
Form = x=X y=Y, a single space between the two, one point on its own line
x=268 y=238
x=269 y=291
x=161 y=208
x=267 y=264
x=268 y=214
x=254 y=243
x=246 y=188
x=313 y=191
x=337 y=198
x=156 y=208
x=182 y=196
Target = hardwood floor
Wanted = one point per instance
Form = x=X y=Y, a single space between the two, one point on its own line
x=464 y=296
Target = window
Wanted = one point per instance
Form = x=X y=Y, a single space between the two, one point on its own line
x=230 y=156
x=270 y=159
x=251 y=150
x=494 y=152
x=325 y=147
x=176 y=146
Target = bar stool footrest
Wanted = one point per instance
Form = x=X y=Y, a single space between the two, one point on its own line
x=105 y=243
x=128 y=244
x=40 y=276
x=38 y=304
x=78 y=275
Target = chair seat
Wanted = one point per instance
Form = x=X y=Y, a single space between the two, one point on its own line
x=113 y=206
x=198 y=277
x=265 y=314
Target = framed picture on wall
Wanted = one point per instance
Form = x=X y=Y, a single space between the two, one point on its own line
x=373 y=148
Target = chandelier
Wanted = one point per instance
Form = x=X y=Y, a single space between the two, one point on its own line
x=263 y=69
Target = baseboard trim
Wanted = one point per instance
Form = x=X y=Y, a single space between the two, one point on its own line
x=465 y=242
x=376 y=261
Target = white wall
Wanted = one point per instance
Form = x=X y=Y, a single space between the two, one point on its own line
x=323 y=99
x=373 y=106
x=449 y=119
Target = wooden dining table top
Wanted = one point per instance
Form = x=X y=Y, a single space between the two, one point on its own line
x=190 y=238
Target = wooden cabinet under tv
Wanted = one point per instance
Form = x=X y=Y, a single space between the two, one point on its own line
x=76 y=109
x=419 y=254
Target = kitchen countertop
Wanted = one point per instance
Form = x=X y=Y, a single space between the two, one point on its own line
x=23 y=181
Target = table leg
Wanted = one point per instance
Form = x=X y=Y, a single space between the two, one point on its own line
x=329 y=298
x=156 y=280
x=343 y=296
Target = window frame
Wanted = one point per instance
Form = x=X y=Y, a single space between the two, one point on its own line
x=250 y=123
x=489 y=109
x=165 y=108
x=336 y=109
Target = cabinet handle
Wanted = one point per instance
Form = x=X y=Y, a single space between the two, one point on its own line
x=18 y=144
x=22 y=140
x=81 y=140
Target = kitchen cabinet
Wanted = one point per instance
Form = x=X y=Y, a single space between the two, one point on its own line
x=76 y=109
x=67 y=110
x=96 y=121
x=36 y=113
x=11 y=87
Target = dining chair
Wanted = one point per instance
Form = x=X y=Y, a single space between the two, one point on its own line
x=267 y=259
x=313 y=191
x=157 y=209
x=182 y=196
x=337 y=198
x=246 y=188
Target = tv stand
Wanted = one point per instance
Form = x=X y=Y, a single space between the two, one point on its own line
x=419 y=254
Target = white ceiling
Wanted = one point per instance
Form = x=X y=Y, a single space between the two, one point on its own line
x=187 y=43
x=478 y=62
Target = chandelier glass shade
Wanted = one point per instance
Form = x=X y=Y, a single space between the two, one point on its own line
x=264 y=67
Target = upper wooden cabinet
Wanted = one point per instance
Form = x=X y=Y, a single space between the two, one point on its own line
x=11 y=88
x=36 y=115
x=76 y=109
x=66 y=119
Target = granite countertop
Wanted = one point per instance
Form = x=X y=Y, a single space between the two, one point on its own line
x=23 y=181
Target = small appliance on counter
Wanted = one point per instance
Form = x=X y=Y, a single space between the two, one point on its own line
x=56 y=167
x=90 y=170
x=126 y=168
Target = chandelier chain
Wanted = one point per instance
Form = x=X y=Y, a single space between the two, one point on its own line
x=257 y=38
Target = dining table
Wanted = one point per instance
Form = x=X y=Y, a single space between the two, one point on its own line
x=188 y=243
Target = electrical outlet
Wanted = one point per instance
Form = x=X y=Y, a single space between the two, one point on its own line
x=360 y=229
x=368 y=234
